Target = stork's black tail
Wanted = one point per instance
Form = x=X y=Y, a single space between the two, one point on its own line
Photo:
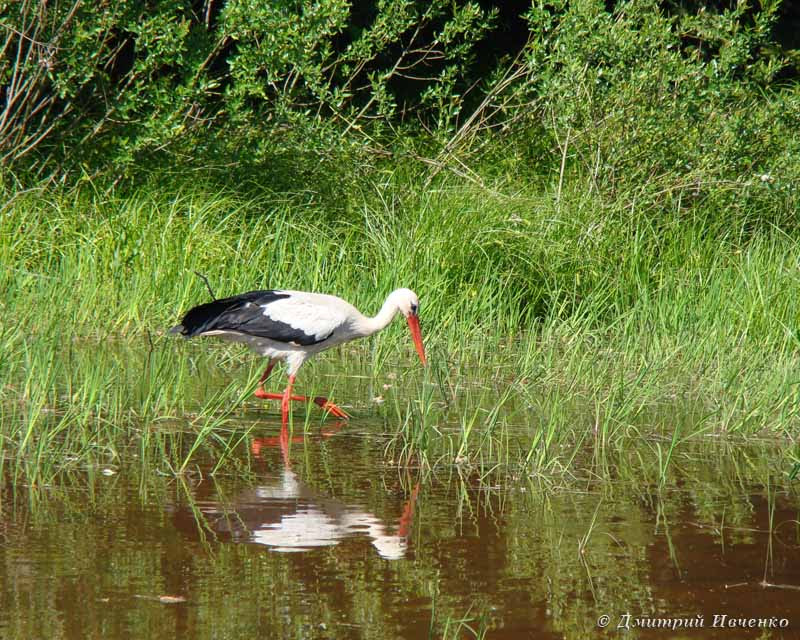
x=207 y=316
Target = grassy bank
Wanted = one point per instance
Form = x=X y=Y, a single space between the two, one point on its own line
x=555 y=319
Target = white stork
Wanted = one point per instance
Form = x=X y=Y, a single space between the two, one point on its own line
x=293 y=326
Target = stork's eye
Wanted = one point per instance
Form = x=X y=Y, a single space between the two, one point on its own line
x=414 y=308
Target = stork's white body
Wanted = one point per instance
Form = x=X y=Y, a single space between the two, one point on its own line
x=330 y=320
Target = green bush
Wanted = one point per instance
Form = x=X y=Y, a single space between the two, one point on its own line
x=648 y=107
x=662 y=108
x=95 y=85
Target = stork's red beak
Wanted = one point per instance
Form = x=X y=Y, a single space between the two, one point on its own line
x=416 y=336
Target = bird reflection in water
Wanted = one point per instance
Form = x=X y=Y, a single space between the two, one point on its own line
x=288 y=515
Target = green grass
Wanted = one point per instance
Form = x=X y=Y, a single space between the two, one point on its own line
x=556 y=323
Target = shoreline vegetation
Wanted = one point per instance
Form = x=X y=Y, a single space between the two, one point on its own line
x=549 y=332
x=601 y=224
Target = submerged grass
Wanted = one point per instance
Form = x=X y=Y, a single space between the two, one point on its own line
x=557 y=323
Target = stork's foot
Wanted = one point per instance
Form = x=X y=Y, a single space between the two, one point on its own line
x=331 y=408
x=320 y=401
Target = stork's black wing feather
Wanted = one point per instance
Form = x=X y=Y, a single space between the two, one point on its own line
x=243 y=313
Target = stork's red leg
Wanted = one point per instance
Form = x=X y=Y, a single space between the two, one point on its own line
x=260 y=393
x=318 y=400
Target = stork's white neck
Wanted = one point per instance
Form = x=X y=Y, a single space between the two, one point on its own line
x=368 y=326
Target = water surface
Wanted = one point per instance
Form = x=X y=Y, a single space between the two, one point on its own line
x=321 y=537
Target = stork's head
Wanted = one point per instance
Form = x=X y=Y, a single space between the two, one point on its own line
x=408 y=304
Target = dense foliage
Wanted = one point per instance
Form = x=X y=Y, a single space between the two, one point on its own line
x=689 y=102
x=99 y=83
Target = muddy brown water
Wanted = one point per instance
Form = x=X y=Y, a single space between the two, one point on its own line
x=323 y=538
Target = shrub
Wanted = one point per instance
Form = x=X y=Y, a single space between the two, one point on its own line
x=107 y=84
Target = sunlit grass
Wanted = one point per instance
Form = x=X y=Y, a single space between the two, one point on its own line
x=551 y=331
